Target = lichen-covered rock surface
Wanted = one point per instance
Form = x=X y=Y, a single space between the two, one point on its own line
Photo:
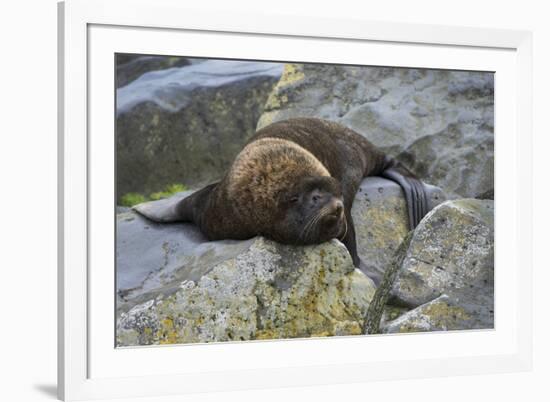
x=186 y=124
x=380 y=216
x=176 y=287
x=447 y=275
x=267 y=291
x=439 y=123
x=441 y=314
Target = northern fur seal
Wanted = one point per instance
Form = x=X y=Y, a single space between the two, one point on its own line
x=293 y=182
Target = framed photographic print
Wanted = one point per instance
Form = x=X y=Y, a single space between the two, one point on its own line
x=265 y=201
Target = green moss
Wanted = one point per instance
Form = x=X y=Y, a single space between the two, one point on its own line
x=168 y=191
x=131 y=199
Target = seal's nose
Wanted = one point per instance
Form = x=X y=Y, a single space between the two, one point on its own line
x=338 y=206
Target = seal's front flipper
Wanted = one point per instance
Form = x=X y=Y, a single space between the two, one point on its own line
x=180 y=207
x=415 y=193
x=350 y=242
x=163 y=211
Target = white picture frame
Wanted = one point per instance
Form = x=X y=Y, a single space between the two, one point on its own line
x=89 y=365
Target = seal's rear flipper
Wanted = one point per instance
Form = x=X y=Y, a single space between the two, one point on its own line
x=415 y=193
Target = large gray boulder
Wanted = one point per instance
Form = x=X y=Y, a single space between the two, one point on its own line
x=267 y=291
x=439 y=123
x=153 y=257
x=448 y=269
x=186 y=124
x=129 y=67
x=176 y=287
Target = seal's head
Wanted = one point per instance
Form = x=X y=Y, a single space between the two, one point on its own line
x=310 y=212
x=281 y=191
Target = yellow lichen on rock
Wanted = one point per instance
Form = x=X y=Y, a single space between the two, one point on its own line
x=442 y=314
x=292 y=74
x=270 y=291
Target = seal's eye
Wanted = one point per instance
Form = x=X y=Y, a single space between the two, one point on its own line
x=294 y=199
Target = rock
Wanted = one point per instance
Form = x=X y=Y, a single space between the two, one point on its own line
x=451 y=253
x=186 y=124
x=121 y=209
x=132 y=66
x=153 y=257
x=438 y=122
x=441 y=314
x=380 y=216
x=266 y=291
x=154 y=260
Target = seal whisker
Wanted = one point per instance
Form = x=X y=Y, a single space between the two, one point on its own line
x=308 y=226
x=341 y=238
x=310 y=223
x=320 y=214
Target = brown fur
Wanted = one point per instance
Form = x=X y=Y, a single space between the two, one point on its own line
x=264 y=170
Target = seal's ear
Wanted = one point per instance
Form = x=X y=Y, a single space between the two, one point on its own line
x=163 y=211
